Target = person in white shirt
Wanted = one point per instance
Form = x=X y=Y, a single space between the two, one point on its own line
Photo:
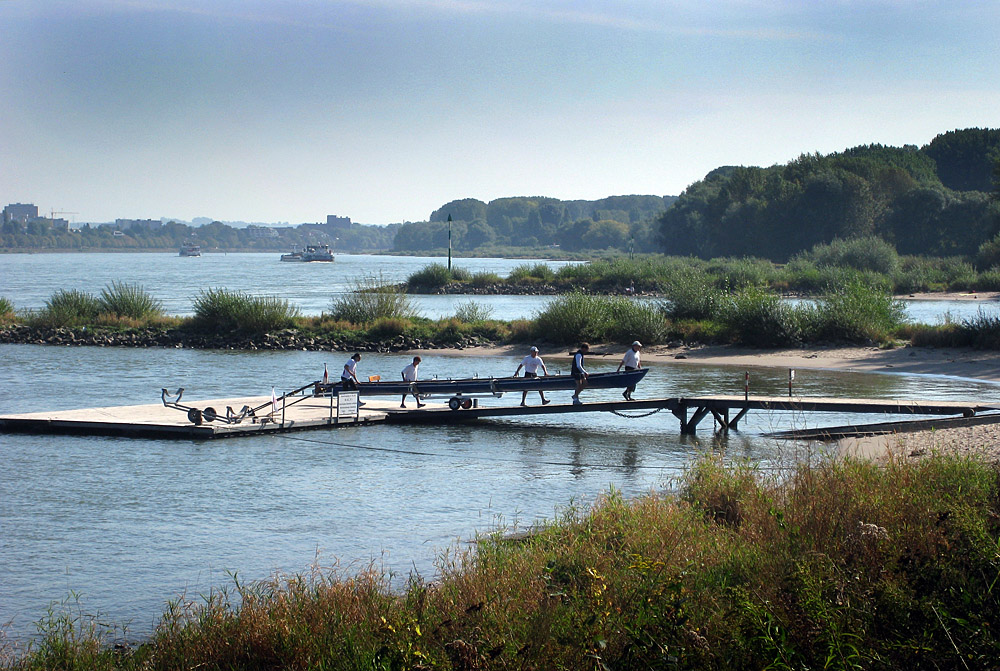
x=531 y=364
x=349 y=376
x=410 y=375
x=631 y=362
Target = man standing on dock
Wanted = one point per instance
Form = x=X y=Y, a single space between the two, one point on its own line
x=631 y=362
x=579 y=372
x=410 y=375
x=349 y=376
x=531 y=364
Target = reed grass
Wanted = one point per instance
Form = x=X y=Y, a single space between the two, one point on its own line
x=577 y=317
x=223 y=311
x=825 y=564
x=437 y=276
x=124 y=299
x=371 y=300
x=754 y=317
x=67 y=308
x=531 y=273
x=857 y=312
x=472 y=312
x=6 y=307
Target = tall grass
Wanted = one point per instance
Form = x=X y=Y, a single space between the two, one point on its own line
x=6 y=307
x=574 y=317
x=437 y=276
x=858 y=312
x=536 y=273
x=869 y=253
x=223 y=311
x=371 y=300
x=841 y=564
x=472 y=312
x=67 y=307
x=123 y=299
x=757 y=318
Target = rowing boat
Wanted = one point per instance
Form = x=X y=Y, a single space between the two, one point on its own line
x=489 y=385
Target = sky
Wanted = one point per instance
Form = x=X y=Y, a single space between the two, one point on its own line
x=385 y=110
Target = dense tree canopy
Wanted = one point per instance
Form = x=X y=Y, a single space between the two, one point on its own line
x=617 y=222
x=895 y=193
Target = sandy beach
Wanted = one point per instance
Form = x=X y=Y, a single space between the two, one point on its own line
x=982 y=440
x=967 y=363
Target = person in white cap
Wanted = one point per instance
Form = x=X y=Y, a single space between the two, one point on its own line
x=531 y=363
x=631 y=362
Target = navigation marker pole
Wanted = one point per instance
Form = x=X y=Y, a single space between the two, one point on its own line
x=449 y=244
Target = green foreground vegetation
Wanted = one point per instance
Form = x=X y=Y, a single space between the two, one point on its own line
x=834 y=564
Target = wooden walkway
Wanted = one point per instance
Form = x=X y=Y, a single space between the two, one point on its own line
x=156 y=420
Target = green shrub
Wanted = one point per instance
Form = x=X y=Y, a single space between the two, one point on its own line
x=573 y=317
x=433 y=276
x=372 y=300
x=68 y=307
x=636 y=320
x=981 y=331
x=576 y=317
x=524 y=273
x=858 y=313
x=221 y=311
x=757 y=318
x=472 y=312
x=988 y=255
x=6 y=306
x=871 y=253
x=129 y=300
x=693 y=295
x=437 y=276
x=736 y=274
x=485 y=279
x=989 y=280
x=389 y=327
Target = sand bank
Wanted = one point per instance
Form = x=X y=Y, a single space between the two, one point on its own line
x=910 y=360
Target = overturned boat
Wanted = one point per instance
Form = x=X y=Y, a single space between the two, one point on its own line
x=485 y=386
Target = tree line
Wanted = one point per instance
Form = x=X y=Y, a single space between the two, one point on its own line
x=616 y=222
x=936 y=200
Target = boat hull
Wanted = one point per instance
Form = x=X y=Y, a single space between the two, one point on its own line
x=492 y=385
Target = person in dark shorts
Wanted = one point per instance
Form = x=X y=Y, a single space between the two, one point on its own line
x=531 y=364
x=349 y=376
x=631 y=362
x=578 y=372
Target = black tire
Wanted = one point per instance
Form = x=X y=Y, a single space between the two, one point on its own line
x=194 y=414
x=454 y=403
x=210 y=414
x=466 y=404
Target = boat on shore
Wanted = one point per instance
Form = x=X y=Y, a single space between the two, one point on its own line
x=188 y=249
x=311 y=253
x=494 y=386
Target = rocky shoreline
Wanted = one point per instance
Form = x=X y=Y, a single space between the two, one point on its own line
x=287 y=339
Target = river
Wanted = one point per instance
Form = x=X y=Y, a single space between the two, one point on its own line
x=127 y=524
x=29 y=280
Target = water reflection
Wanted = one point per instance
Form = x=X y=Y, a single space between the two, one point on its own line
x=130 y=523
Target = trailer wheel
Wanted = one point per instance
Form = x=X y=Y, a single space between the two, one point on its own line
x=194 y=414
x=455 y=403
x=209 y=414
x=467 y=403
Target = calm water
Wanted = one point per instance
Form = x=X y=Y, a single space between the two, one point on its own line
x=30 y=279
x=129 y=523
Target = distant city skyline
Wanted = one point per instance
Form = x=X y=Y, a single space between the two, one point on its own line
x=385 y=110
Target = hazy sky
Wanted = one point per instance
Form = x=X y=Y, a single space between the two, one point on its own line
x=384 y=110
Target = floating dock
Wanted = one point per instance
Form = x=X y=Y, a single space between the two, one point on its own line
x=322 y=412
